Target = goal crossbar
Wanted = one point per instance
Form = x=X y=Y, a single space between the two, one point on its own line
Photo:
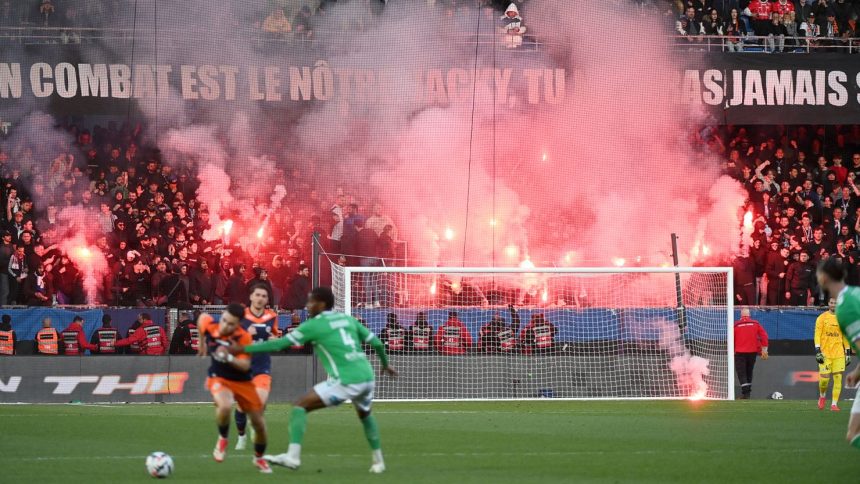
x=540 y=270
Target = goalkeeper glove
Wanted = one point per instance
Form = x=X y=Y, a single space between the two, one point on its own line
x=847 y=357
x=819 y=357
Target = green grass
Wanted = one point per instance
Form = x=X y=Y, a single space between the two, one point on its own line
x=757 y=441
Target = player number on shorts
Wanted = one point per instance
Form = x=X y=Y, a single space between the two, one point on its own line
x=347 y=340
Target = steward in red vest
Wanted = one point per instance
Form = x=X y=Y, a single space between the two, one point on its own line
x=74 y=340
x=453 y=338
x=538 y=336
x=150 y=337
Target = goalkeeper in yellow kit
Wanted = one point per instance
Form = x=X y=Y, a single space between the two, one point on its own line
x=832 y=352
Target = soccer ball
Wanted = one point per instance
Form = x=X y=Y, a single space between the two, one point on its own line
x=159 y=464
x=776 y=396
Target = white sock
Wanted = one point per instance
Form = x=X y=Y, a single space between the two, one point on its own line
x=377 y=456
x=294 y=451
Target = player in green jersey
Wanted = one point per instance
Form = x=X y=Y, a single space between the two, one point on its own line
x=337 y=340
x=831 y=278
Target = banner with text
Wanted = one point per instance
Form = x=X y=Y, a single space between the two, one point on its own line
x=733 y=88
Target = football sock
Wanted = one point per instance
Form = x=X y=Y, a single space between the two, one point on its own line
x=223 y=430
x=298 y=424
x=822 y=385
x=241 y=422
x=371 y=432
x=259 y=449
x=837 y=387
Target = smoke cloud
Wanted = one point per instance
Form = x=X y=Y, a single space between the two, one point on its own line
x=690 y=371
x=603 y=177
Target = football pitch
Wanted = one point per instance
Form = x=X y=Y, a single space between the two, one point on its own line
x=486 y=442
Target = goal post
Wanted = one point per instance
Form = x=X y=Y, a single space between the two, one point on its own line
x=479 y=333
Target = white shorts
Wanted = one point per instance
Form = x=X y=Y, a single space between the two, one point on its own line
x=333 y=393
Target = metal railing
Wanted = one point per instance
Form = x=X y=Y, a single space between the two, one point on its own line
x=759 y=43
x=39 y=35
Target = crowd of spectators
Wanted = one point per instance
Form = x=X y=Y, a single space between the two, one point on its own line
x=804 y=205
x=778 y=25
x=74 y=21
x=149 y=225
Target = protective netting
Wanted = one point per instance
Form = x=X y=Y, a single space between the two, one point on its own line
x=543 y=333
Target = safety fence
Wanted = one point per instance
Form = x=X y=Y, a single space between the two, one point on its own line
x=766 y=43
x=39 y=35
x=782 y=323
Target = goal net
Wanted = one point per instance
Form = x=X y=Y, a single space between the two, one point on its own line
x=572 y=333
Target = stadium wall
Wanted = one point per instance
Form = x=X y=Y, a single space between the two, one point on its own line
x=106 y=379
x=574 y=325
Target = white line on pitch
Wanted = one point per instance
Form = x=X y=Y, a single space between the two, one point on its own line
x=437 y=454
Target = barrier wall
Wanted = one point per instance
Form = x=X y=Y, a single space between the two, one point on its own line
x=787 y=323
x=39 y=379
x=26 y=322
x=574 y=325
x=139 y=379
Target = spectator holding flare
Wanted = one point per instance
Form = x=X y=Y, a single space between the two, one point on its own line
x=832 y=352
x=750 y=341
x=452 y=337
